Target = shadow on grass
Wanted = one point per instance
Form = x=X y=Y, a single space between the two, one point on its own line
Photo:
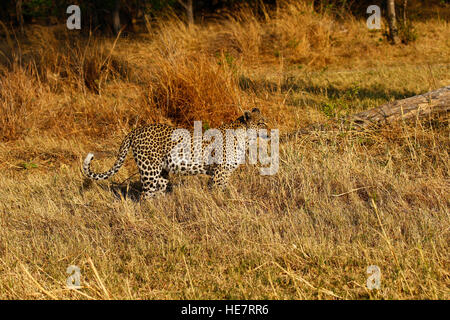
x=130 y=190
x=378 y=91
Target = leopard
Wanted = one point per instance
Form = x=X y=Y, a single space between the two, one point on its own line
x=153 y=148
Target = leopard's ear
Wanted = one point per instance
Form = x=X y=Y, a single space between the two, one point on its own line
x=256 y=110
x=241 y=119
x=246 y=117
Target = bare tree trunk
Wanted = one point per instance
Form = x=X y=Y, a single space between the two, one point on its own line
x=19 y=14
x=188 y=6
x=116 y=17
x=405 y=4
x=393 y=31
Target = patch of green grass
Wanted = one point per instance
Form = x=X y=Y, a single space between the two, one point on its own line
x=28 y=165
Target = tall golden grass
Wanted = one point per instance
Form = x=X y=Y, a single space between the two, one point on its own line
x=340 y=202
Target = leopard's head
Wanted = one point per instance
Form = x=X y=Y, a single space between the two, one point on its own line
x=253 y=120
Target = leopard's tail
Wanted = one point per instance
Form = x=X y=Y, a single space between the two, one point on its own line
x=119 y=162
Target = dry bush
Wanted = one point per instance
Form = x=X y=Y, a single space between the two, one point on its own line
x=300 y=34
x=240 y=35
x=294 y=31
x=47 y=80
x=62 y=59
x=187 y=85
x=189 y=88
x=19 y=103
x=28 y=107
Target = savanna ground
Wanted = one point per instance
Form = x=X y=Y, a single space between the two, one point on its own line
x=340 y=202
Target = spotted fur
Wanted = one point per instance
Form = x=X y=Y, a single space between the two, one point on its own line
x=152 y=146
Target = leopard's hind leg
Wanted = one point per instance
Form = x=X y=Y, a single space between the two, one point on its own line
x=154 y=180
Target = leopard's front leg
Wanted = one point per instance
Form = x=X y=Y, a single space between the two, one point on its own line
x=220 y=175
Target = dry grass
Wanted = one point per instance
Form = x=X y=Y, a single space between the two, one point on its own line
x=340 y=202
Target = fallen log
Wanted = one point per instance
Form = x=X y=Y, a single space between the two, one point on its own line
x=433 y=102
